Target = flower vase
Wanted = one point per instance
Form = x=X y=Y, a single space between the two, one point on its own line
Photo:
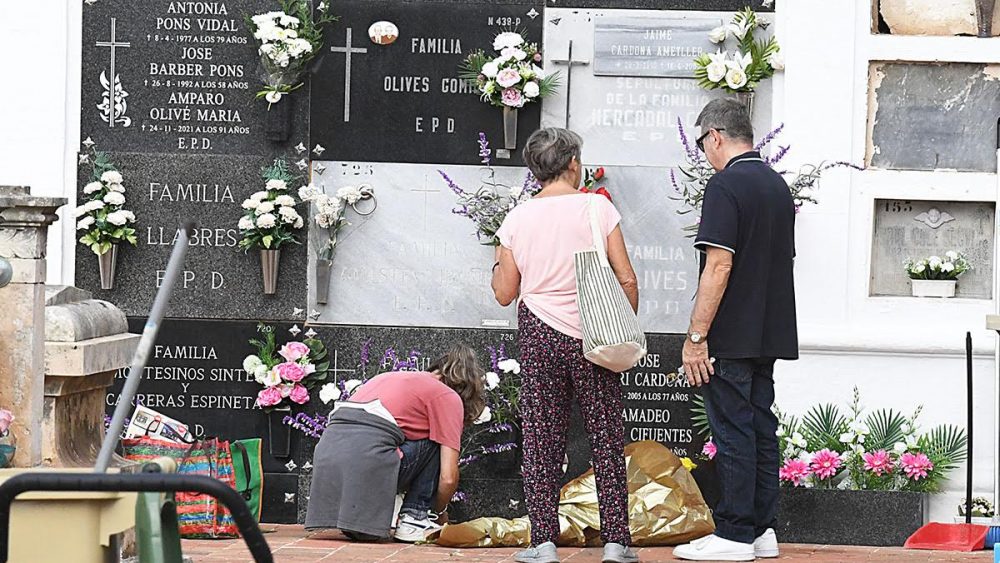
x=984 y=17
x=933 y=288
x=278 y=122
x=509 y=128
x=106 y=263
x=323 y=270
x=7 y=449
x=279 y=434
x=269 y=260
x=746 y=98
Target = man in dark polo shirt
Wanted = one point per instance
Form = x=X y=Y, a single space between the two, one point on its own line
x=743 y=320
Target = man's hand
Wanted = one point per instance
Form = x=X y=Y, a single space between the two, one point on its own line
x=697 y=365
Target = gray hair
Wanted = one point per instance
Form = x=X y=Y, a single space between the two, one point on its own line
x=728 y=115
x=549 y=152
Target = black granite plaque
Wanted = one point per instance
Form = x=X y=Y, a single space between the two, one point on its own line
x=219 y=280
x=176 y=77
x=195 y=375
x=281 y=499
x=699 y=5
x=403 y=102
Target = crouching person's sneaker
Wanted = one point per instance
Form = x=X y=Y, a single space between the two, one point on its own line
x=618 y=553
x=544 y=553
x=714 y=548
x=766 y=545
x=412 y=530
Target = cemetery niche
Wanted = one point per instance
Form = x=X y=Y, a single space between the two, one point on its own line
x=402 y=101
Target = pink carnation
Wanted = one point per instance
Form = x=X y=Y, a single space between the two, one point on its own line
x=299 y=394
x=293 y=351
x=269 y=397
x=915 y=466
x=709 y=450
x=794 y=471
x=512 y=97
x=878 y=462
x=825 y=463
x=290 y=371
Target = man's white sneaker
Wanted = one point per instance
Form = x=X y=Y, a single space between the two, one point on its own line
x=544 y=553
x=714 y=548
x=766 y=545
x=412 y=530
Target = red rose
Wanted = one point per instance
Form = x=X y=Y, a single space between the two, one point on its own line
x=604 y=193
x=599 y=174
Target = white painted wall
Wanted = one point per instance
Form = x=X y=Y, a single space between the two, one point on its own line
x=899 y=352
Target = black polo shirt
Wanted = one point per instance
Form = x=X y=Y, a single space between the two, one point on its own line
x=749 y=211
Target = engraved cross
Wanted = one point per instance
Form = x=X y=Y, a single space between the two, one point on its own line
x=113 y=78
x=348 y=50
x=569 y=61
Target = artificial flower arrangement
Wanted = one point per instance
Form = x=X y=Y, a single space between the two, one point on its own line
x=591 y=182
x=696 y=172
x=935 y=268
x=330 y=211
x=981 y=508
x=488 y=206
x=270 y=219
x=289 y=40
x=103 y=217
x=882 y=450
x=288 y=373
x=511 y=77
x=751 y=62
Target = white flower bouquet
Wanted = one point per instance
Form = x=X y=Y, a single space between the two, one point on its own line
x=511 y=77
x=102 y=217
x=330 y=211
x=270 y=218
x=289 y=40
x=742 y=70
x=953 y=265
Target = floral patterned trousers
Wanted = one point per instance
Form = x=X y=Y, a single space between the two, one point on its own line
x=553 y=369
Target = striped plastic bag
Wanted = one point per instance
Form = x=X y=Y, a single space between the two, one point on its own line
x=612 y=337
x=198 y=515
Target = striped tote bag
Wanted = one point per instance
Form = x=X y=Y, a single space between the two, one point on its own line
x=612 y=337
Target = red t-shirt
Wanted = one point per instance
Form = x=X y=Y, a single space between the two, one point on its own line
x=422 y=406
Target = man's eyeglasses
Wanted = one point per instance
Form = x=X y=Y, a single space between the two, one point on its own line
x=701 y=140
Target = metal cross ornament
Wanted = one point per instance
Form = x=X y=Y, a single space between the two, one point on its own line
x=569 y=61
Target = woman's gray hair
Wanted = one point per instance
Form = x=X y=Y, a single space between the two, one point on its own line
x=549 y=152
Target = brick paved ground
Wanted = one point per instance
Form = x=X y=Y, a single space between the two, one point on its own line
x=292 y=544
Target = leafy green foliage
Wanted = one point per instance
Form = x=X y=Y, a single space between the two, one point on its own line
x=886 y=427
x=699 y=416
x=822 y=427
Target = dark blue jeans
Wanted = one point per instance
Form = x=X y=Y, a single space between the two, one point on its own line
x=738 y=401
x=419 y=471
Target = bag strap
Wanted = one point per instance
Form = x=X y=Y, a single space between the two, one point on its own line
x=595 y=231
x=242 y=450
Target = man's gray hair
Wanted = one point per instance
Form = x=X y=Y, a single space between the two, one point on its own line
x=729 y=116
x=549 y=152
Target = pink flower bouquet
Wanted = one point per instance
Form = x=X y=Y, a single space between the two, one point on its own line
x=288 y=374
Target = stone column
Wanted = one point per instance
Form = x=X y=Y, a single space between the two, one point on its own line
x=24 y=223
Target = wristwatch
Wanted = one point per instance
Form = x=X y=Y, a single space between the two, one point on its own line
x=696 y=337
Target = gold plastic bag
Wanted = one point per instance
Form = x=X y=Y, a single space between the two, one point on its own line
x=665 y=508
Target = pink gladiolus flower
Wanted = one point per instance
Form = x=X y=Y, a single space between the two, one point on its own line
x=290 y=371
x=709 y=450
x=878 y=462
x=6 y=417
x=269 y=397
x=299 y=394
x=293 y=351
x=915 y=466
x=512 y=97
x=825 y=463
x=794 y=471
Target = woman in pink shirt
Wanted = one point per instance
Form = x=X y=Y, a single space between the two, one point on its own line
x=534 y=265
x=400 y=431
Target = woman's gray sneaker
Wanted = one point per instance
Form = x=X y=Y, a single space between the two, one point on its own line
x=545 y=553
x=618 y=553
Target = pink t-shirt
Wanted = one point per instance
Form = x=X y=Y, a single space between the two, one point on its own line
x=422 y=406
x=544 y=234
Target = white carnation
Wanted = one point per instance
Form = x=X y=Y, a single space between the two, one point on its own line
x=276 y=185
x=93 y=187
x=285 y=200
x=329 y=392
x=81 y=211
x=265 y=207
x=245 y=224
x=258 y=196
x=129 y=215
x=117 y=188
x=250 y=204
x=112 y=177
x=85 y=223
x=250 y=363
x=94 y=205
x=114 y=198
x=266 y=221
x=298 y=224
x=117 y=218
x=951 y=255
x=350 y=194
x=309 y=193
